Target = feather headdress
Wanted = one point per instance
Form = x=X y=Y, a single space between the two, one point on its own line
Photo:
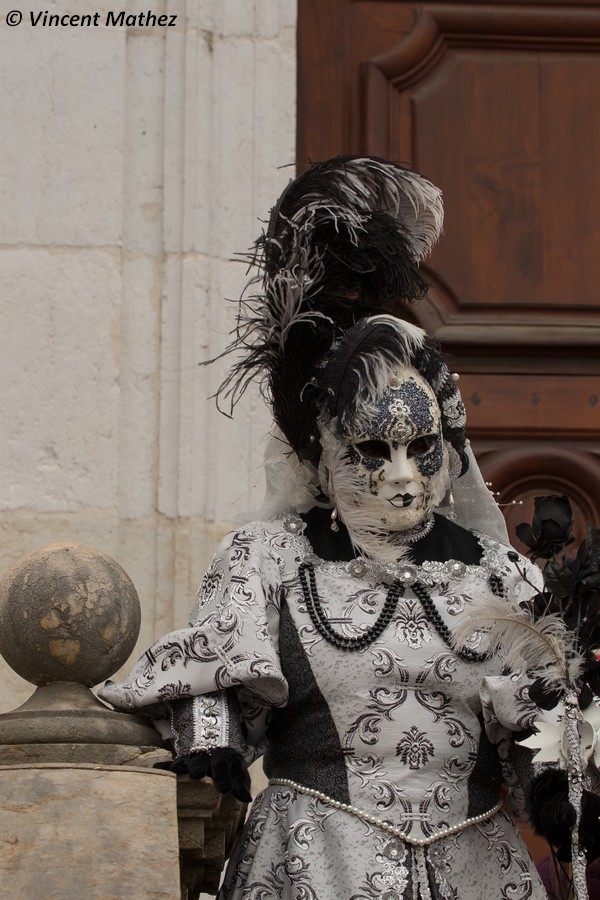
x=355 y=375
x=344 y=241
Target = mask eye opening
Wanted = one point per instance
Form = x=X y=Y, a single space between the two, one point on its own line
x=421 y=445
x=373 y=449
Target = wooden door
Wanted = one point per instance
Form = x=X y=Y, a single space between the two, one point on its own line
x=498 y=104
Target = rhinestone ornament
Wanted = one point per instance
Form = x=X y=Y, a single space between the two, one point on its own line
x=408 y=574
x=393 y=849
x=293 y=524
x=357 y=567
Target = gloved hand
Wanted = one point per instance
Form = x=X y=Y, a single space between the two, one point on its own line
x=224 y=765
x=553 y=817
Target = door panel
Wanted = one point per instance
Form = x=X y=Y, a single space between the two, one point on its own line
x=497 y=104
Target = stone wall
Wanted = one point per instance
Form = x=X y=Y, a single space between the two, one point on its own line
x=136 y=162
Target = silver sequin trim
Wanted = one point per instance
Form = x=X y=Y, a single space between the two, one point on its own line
x=431 y=574
x=210 y=723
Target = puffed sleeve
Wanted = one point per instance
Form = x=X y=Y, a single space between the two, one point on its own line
x=217 y=678
x=508 y=714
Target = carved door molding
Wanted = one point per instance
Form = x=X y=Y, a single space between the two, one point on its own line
x=410 y=95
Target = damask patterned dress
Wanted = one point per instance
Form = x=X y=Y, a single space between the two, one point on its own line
x=385 y=763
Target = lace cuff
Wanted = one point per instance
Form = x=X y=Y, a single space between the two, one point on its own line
x=208 y=721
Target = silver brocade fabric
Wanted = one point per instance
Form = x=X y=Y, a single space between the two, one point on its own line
x=408 y=714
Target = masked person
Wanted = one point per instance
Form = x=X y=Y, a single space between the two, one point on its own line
x=322 y=634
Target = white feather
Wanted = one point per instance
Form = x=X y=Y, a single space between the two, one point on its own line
x=414 y=201
x=376 y=372
x=545 y=648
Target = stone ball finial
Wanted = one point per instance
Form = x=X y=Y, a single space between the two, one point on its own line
x=67 y=613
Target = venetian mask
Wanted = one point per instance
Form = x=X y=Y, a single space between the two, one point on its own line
x=394 y=469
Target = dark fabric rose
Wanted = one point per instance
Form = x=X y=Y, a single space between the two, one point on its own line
x=550 y=811
x=550 y=529
x=553 y=817
x=590 y=680
x=544 y=697
x=574 y=586
x=571 y=592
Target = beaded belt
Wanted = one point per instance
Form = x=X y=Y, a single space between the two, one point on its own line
x=380 y=823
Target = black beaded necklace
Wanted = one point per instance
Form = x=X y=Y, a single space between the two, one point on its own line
x=308 y=581
x=424 y=597
x=306 y=572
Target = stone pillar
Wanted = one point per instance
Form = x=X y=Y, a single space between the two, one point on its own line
x=84 y=814
x=148 y=161
x=95 y=831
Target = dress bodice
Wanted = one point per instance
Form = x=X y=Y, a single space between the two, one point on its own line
x=404 y=711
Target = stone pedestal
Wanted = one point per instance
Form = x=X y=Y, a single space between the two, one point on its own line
x=208 y=825
x=88 y=831
x=69 y=617
x=83 y=814
x=65 y=722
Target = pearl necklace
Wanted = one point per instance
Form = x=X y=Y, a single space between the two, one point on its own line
x=412 y=535
x=381 y=823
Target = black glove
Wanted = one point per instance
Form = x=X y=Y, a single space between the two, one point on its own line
x=224 y=765
x=553 y=817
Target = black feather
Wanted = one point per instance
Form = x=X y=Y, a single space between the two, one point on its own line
x=354 y=364
x=343 y=242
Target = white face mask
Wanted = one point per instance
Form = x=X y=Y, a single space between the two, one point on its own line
x=397 y=466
